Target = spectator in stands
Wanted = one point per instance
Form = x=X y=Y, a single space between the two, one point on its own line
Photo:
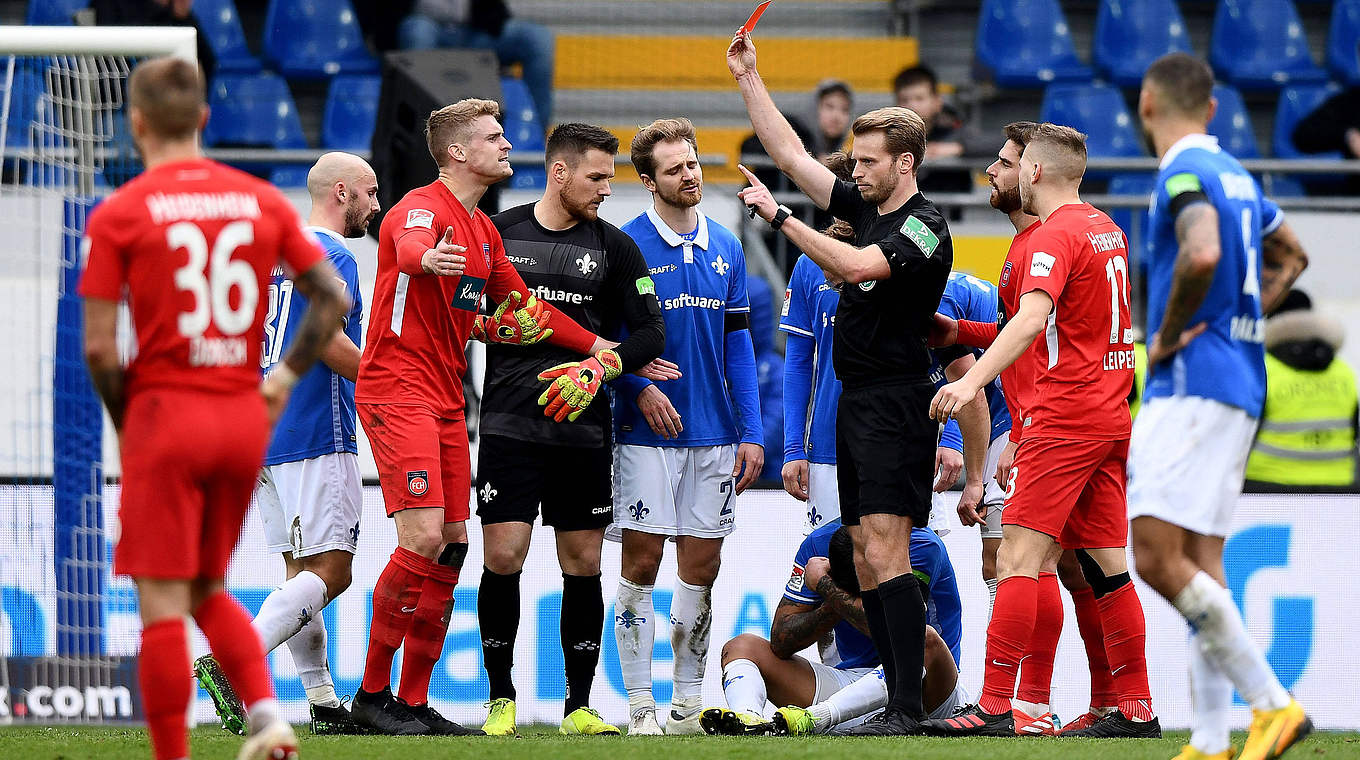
x=486 y=25
x=1333 y=126
x=154 y=13
x=833 y=103
x=1308 y=430
x=946 y=134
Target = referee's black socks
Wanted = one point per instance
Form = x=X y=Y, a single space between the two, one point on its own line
x=582 y=625
x=905 y=612
x=878 y=631
x=498 y=618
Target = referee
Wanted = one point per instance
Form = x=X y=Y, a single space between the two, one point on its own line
x=894 y=275
x=593 y=273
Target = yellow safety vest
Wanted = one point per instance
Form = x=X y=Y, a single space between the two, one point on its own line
x=1139 y=378
x=1306 y=436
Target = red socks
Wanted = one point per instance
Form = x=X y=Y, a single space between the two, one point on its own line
x=1013 y=616
x=425 y=637
x=236 y=646
x=1121 y=616
x=162 y=669
x=1036 y=670
x=1103 y=693
x=395 y=598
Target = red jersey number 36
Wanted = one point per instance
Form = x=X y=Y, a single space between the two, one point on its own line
x=210 y=275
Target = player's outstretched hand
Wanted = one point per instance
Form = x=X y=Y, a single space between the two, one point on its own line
x=573 y=385
x=951 y=398
x=757 y=197
x=517 y=321
x=444 y=259
x=971 y=511
x=948 y=465
x=1157 y=352
x=750 y=461
x=741 y=55
x=659 y=370
x=660 y=414
x=795 y=475
x=944 y=331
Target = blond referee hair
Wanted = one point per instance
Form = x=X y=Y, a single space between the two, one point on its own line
x=449 y=125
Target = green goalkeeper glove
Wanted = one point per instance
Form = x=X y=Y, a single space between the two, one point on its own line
x=572 y=386
x=514 y=324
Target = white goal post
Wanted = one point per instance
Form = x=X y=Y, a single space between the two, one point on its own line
x=139 y=41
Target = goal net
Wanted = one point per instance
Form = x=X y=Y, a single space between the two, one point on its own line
x=67 y=628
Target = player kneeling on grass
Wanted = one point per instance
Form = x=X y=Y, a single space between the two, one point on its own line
x=822 y=605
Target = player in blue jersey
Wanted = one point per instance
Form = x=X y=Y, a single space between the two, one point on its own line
x=682 y=456
x=310 y=492
x=1220 y=257
x=847 y=685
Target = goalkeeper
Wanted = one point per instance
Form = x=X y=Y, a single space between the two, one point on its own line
x=557 y=457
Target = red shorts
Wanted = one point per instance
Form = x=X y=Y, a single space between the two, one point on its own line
x=190 y=461
x=422 y=458
x=1072 y=490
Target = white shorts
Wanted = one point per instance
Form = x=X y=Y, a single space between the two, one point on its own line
x=1187 y=459
x=993 y=495
x=824 y=498
x=831 y=680
x=674 y=491
x=939 y=515
x=312 y=505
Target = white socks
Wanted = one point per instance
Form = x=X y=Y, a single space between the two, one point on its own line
x=992 y=583
x=635 y=633
x=862 y=697
x=691 y=624
x=308 y=647
x=1209 y=609
x=289 y=607
x=1211 y=697
x=744 y=687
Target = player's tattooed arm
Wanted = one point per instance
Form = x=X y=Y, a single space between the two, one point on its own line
x=327 y=304
x=1199 y=252
x=847 y=607
x=1284 y=260
x=101 y=355
x=798 y=626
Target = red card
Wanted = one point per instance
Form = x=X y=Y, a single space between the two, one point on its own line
x=755 y=16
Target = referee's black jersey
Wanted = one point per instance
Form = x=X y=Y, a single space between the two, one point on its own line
x=594 y=274
x=881 y=325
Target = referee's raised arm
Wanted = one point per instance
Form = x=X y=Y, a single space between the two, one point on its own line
x=773 y=130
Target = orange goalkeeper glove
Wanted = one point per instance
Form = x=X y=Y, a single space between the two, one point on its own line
x=572 y=386
x=513 y=324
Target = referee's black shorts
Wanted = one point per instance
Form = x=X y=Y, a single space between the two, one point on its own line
x=885 y=451
x=572 y=484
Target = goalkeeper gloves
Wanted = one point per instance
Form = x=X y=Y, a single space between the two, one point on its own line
x=572 y=386
x=514 y=324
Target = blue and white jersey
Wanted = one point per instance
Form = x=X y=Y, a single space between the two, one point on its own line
x=1227 y=362
x=700 y=283
x=929 y=561
x=968 y=297
x=810 y=312
x=319 y=418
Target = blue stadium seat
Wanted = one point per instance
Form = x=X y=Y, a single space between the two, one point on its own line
x=1231 y=125
x=256 y=110
x=28 y=89
x=221 y=25
x=1099 y=111
x=1261 y=45
x=1026 y=43
x=53 y=12
x=315 y=39
x=1131 y=34
x=1296 y=103
x=1133 y=221
x=1343 y=41
x=524 y=131
x=351 y=112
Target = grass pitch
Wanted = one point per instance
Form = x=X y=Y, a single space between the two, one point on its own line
x=544 y=742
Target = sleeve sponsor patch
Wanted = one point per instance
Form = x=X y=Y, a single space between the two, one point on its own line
x=788 y=296
x=1185 y=182
x=645 y=286
x=918 y=233
x=1041 y=264
x=796 y=580
x=419 y=217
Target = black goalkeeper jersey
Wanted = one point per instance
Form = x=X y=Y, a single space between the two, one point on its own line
x=594 y=274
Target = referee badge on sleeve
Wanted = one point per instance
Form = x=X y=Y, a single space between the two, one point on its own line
x=418 y=482
x=917 y=232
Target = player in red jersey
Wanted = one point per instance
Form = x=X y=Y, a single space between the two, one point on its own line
x=193 y=244
x=438 y=254
x=1066 y=485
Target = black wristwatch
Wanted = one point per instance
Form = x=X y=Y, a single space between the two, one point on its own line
x=784 y=212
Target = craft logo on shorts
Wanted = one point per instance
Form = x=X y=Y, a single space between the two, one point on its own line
x=1006 y=274
x=419 y=217
x=418 y=482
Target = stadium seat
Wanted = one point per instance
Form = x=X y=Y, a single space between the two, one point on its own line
x=1231 y=125
x=1261 y=45
x=1296 y=103
x=27 y=91
x=221 y=25
x=1133 y=221
x=524 y=131
x=53 y=12
x=256 y=110
x=1131 y=34
x=315 y=39
x=1343 y=42
x=1099 y=111
x=351 y=112
x=1026 y=43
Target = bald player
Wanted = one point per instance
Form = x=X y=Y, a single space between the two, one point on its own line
x=310 y=492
